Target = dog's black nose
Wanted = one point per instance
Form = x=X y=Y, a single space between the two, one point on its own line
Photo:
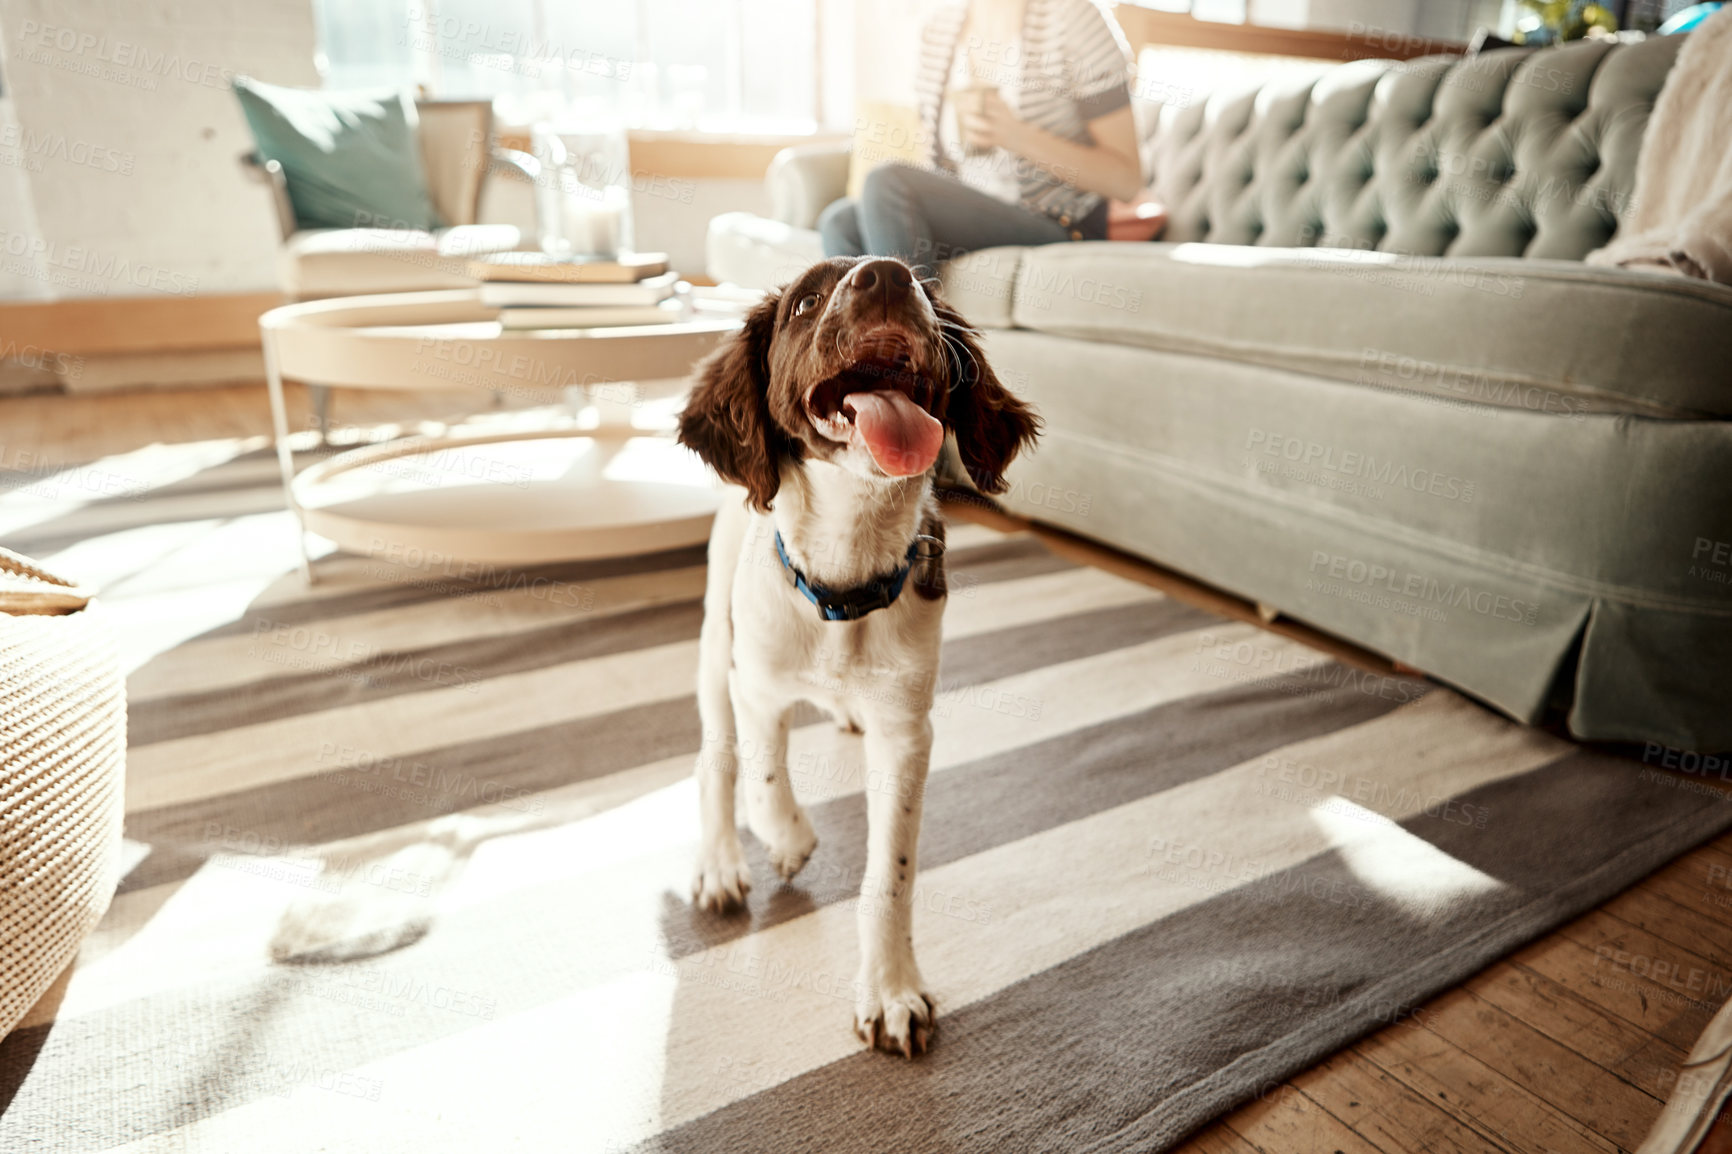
x=868 y=275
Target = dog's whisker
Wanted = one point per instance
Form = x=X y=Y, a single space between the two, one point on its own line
x=966 y=352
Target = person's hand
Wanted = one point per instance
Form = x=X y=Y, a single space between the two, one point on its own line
x=993 y=125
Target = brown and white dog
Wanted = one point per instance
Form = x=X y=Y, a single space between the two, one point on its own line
x=826 y=578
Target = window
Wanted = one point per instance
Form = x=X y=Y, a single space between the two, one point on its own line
x=708 y=65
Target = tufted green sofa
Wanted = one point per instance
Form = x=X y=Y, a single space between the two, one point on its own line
x=1367 y=380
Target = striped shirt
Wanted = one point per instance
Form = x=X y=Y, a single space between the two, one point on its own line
x=1071 y=66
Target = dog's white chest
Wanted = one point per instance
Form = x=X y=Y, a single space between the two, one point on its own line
x=855 y=663
x=887 y=658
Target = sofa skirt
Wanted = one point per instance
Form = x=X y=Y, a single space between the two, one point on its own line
x=1536 y=560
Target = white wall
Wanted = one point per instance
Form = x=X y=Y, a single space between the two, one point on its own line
x=671 y=216
x=887 y=48
x=839 y=25
x=1432 y=19
x=678 y=226
x=119 y=138
x=1392 y=15
x=1440 y=22
x=21 y=271
x=1279 y=13
x=125 y=139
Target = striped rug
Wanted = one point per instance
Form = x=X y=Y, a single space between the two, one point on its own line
x=409 y=852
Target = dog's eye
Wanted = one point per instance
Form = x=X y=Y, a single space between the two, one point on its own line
x=807 y=303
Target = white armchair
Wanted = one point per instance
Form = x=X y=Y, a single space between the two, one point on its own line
x=761 y=252
x=455 y=138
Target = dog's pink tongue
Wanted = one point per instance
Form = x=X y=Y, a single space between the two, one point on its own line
x=902 y=437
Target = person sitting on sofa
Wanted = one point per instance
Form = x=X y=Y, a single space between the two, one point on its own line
x=1025 y=111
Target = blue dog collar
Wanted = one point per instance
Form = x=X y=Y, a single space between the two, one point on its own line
x=853 y=604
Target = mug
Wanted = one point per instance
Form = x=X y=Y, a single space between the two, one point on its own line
x=969 y=101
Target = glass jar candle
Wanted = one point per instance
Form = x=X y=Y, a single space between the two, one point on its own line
x=583 y=192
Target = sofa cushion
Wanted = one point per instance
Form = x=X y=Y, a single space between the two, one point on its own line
x=982 y=286
x=338 y=262
x=348 y=157
x=1553 y=336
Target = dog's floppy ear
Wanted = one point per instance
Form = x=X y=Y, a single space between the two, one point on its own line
x=990 y=424
x=727 y=418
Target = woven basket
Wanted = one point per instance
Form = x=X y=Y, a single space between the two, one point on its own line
x=62 y=765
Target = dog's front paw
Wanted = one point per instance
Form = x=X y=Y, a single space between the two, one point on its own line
x=897 y=1021
x=722 y=880
x=790 y=843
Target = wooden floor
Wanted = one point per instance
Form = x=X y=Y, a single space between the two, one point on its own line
x=1571 y=1044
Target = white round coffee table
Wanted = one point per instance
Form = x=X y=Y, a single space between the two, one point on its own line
x=520 y=498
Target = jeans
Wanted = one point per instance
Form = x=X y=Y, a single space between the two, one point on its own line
x=926 y=218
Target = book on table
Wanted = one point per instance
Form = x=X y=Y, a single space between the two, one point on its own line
x=652 y=291
x=718 y=302
x=627 y=268
x=587 y=316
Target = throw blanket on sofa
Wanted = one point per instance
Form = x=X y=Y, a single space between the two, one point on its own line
x=1681 y=219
